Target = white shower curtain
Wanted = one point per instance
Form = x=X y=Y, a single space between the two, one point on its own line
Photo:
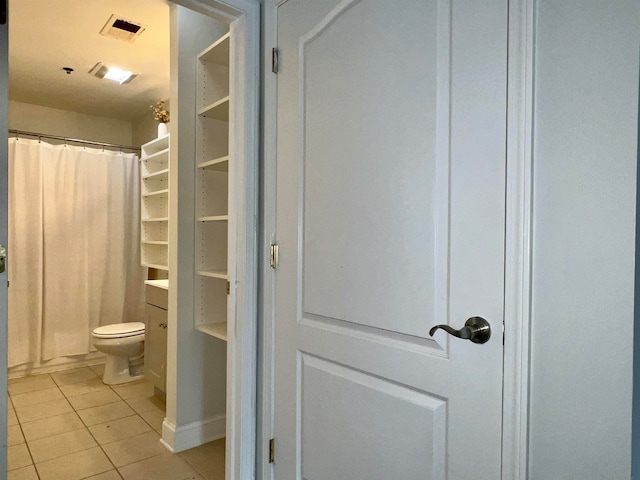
x=74 y=228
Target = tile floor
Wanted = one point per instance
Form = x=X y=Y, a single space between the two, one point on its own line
x=70 y=426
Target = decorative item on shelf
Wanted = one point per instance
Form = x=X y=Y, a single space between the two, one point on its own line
x=161 y=114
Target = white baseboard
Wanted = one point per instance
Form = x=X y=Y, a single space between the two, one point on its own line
x=56 y=365
x=176 y=439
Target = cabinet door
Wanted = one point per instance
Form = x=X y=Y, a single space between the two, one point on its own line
x=155 y=356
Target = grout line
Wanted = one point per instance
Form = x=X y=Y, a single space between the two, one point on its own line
x=25 y=439
x=97 y=442
x=75 y=410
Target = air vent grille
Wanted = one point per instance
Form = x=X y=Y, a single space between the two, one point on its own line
x=122 y=29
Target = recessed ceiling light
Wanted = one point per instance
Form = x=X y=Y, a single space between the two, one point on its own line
x=112 y=73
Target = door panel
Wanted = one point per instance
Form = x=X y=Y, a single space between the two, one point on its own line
x=390 y=220
x=370 y=411
x=382 y=167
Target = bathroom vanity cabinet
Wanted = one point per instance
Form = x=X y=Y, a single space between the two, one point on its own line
x=214 y=200
x=154 y=203
x=155 y=345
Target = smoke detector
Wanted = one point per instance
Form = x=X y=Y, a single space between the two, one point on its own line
x=122 y=28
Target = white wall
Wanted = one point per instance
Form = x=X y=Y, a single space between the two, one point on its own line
x=145 y=128
x=65 y=123
x=585 y=142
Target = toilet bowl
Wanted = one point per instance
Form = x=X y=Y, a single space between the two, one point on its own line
x=122 y=342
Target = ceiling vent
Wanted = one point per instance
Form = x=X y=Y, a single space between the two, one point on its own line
x=122 y=29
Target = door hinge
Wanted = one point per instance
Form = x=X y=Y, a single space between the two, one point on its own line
x=274 y=60
x=273 y=257
x=228 y=288
x=272 y=450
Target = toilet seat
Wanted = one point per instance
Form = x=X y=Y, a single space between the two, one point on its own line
x=119 y=330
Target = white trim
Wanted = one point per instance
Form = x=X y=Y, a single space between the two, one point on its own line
x=57 y=365
x=177 y=439
x=244 y=19
x=518 y=241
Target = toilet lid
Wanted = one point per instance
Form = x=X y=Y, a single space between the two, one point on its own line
x=119 y=330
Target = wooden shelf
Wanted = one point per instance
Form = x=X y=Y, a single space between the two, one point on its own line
x=217 y=53
x=213 y=274
x=156 y=193
x=212 y=202
x=161 y=156
x=218 y=330
x=155 y=146
x=213 y=218
x=155 y=265
x=218 y=110
x=220 y=164
x=161 y=283
x=157 y=175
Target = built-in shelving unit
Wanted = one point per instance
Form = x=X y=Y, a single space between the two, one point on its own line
x=212 y=189
x=154 y=203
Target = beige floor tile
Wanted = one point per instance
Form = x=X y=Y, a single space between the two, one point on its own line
x=119 y=429
x=76 y=375
x=94 y=399
x=18 y=456
x=154 y=418
x=132 y=390
x=61 y=445
x=12 y=418
x=24 y=473
x=36 y=398
x=165 y=467
x=110 y=475
x=98 y=369
x=134 y=449
x=75 y=466
x=14 y=435
x=146 y=404
x=207 y=459
x=25 y=378
x=30 y=413
x=48 y=427
x=87 y=386
x=30 y=384
x=105 y=413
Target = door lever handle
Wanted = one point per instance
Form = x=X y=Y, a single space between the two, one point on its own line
x=476 y=329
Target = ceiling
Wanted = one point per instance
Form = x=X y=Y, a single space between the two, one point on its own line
x=45 y=36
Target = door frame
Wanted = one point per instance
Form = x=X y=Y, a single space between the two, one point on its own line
x=243 y=17
x=4 y=233
x=515 y=392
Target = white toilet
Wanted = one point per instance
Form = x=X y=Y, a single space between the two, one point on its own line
x=124 y=345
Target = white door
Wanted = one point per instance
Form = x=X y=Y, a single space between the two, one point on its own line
x=390 y=220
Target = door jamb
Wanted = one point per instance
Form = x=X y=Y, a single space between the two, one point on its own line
x=517 y=295
x=517 y=241
x=243 y=17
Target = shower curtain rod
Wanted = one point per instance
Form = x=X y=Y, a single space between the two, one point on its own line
x=73 y=140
